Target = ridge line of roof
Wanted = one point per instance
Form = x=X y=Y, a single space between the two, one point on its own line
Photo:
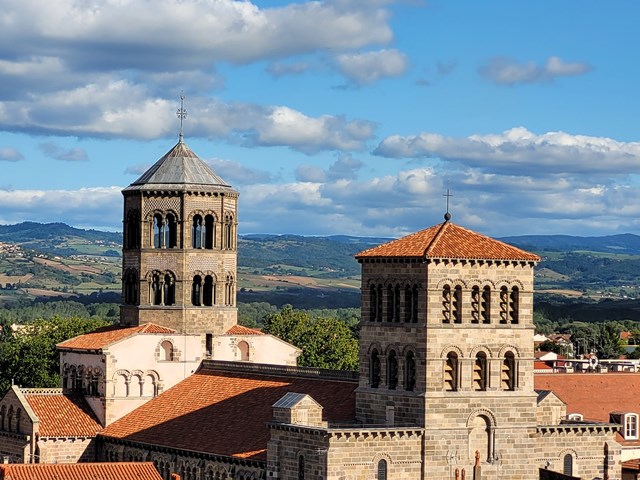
x=436 y=237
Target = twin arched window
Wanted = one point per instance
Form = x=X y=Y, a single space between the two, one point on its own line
x=203 y=231
x=392 y=370
x=162 y=289
x=203 y=292
x=164 y=231
x=481 y=372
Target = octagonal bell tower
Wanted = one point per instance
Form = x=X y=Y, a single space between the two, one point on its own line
x=179 y=265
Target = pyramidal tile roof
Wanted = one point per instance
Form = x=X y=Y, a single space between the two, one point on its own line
x=80 y=471
x=105 y=336
x=62 y=415
x=178 y=168
x=448 y=240
x=236 y=404
x=242 y=330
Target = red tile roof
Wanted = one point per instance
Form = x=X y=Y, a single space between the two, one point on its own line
x=80 y=471
x=62 y=415
x=448 y=240
x=105 y=336
x=594 y=395
x=241 y=330
x=237 y=405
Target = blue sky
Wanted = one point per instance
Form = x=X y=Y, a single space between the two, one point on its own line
x=334 y=117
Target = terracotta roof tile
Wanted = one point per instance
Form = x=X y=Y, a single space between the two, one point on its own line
x=241 y=330
x=80 y=471
x=63 y=415
x=448 y=240
x=594 y=395
x=105 y=336
x=237 y=405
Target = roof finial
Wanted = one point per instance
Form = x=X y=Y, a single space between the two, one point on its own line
x=182 y=114
x=447 y=215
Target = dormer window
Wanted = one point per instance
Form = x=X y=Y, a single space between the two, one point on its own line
x=629 y=423
x=631 y=426
x=575 y=417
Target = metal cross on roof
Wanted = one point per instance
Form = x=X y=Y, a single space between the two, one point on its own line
x=181 y=113
x=447 y=215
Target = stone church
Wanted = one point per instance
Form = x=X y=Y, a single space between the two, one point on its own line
x=445 y=386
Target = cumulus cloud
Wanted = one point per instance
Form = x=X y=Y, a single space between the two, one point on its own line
x=92 y=207
x=58 y=153
x=506 y=71
x=182 y=34
x=121 y=109
x=8 y=154
x=521 y=150
x=364 y=68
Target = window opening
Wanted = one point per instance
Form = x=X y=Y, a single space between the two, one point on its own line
x=392 y=367
x=480 y=372
x=196 y=291
x=208 y=293
x=196 y=232
x=410 y=372
x=475 y=304
x=507 y=375
x=457 y=304
x=514 y=300
x=171 y=231
x=504 y=304
x=446 y=304
x=567 y=464
x=451 y=372
x=210 y=232
x=169 y=290
x=374 y=369
x=382 y=470
x=485 y=310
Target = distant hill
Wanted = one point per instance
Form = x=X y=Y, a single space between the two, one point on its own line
x=623 y=243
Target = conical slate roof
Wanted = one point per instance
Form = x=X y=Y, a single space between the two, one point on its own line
x=180 y=168
x=448 y=240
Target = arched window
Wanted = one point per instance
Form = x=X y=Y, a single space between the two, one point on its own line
x=301 y=467
x=229 y=291
x=158 y=230
x=94 y=384
x=410 y=304
x=457 y=304
x=18 y=420
x=196 y=232
x=446 y=304
x=480 y=372
x=514 y=304
x=508 y=372
x=392 y=370
x=171 y=231
x=3 y=414
x=196 y=291
x=210 y=232
x=451 y=372
x=480 y=438
x=373 y=303
x=567 y=464
x=132 y=230
x=475 y=304
x=10 y=419
x=393 y=303
x=131 y=287
x=379 y=304
x=156 y=290
x=485 y=306
x=169 y=290
x=243 y=350
x=374 y=369
x=410 y=371
x=504 y=304
x=228 y=231
x=167 y=351
x=382 y=470
x=79 y=380
x=208 y=294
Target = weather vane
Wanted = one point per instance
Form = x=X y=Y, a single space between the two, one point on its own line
x=447 y=215
x=181 y=113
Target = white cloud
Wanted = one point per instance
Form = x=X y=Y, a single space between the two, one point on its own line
x=182 y=34
x=520 y=150
x=8 y=154
x=364 y=68
x=506 y=71
x=280 y=69
x=99 y=207
x=237 y=174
